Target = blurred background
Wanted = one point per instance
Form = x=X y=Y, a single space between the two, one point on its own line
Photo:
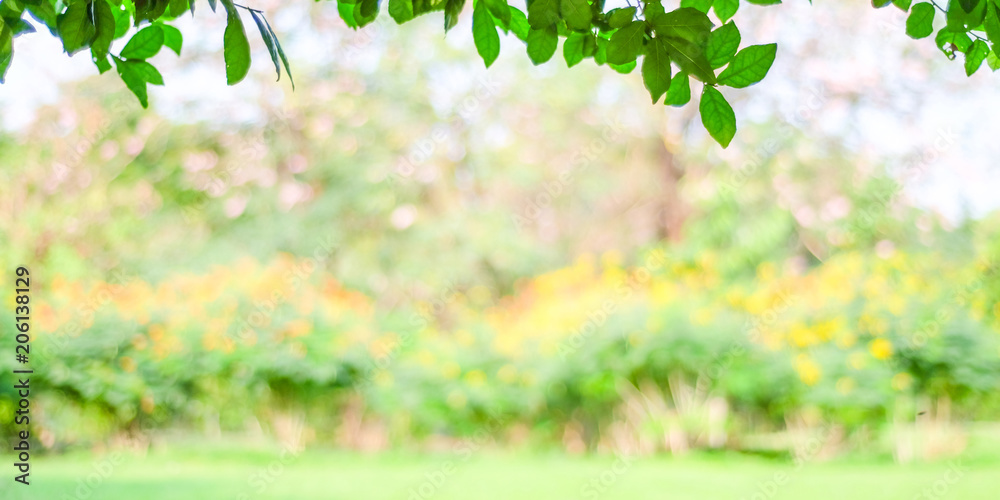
x=412 y=277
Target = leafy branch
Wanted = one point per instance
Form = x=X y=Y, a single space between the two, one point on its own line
x=676 y=47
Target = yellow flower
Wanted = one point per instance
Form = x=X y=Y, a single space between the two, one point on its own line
x=765 y=272
x=735 y=297
x=425 y=358
x=480 y=295
x=845 y=385
x=148 y=404
x=803 y=336
x=298 y=349
x=701 y=316
x=846 y=339
x=297 y=328
x=139 y=342
x=451 y=370
x=156 y=332
x=635 y=338
x=209 y=342
x=857 y=360
x=128 y=364
x=901 y=381
x=383 y=379
x=808 y=370
x=507 y=374
x=880 y=348
x=475 y=378
x=465 y=338
x=611 y=258
x=456 y=399
x=896 y=305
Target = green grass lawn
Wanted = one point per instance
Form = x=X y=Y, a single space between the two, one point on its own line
x=188 y=474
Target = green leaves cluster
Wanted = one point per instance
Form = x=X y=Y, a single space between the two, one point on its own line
x=685 y=44
x=674 y=46
x=970 y=27
x=97 y=24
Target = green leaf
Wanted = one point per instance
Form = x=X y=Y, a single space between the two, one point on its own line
x=123 y=22
x=45 y=13
x=626 y=44
x=685 y=23
x=6 y=50
x=992 y=24
x=968 y=5
x=975 y=56
x=543 y=13
x=652 y=8
x=618 y=18
x=144 y=70
x=213 y=4
x=961 y=19
x=589 y=45
x=76 y=27
x=144 y=44
x=366 y=11
x=346 y=10
x=500 y=10
x=878 y=4
x=10 y=12
x=656 y=69
x=135 y=78
x=680 y=90
x=624 y=68
x=601 y=54
x=577 y=14
x=726 y=9
x=281 y=53
x=149 y=10
x=104 y=26
x=176 y=8
x=574 y=46
x=542 y=44
x=993 y=61
x=904 y=5
x=691 y=58
x=722 y=45
x=749 y=66
x=951 y=41
x=519 y=24
x=484 y=33
x=265 y=34
x=368 y=7
x=452 y=10
x=102 y=64
x=702 y=5
x=138 y=88
x=717 y=116
x=19 y=26
x=401 y=10
x=172 y=38
x=236 y=48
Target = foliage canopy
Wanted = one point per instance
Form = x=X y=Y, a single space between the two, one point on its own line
x=675 y=46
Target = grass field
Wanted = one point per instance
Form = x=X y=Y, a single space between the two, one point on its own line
x=194 y=474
